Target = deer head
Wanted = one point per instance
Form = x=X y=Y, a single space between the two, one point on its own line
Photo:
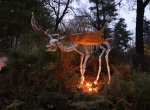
x=52 y=44
x=53 y=38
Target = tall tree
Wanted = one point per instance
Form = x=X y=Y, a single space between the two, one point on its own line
x=141 y=4
x=60 y=9
x=138 y=60
x=146 y=31
x=101 y=11
x=122 y=36
x=146 y=36
x=15 y=27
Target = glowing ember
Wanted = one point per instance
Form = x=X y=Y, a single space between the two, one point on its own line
x=95 y=82
x=88 y=84
x=88 y=87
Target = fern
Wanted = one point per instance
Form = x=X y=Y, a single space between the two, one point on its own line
x=15 y=105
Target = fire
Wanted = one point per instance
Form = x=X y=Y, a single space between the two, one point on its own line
x=88 y=84
x=88 y=87
x=95 y=82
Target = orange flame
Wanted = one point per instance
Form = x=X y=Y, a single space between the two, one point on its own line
x=88 y=87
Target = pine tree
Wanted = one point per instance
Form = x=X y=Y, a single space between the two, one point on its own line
x=146 y=36
x=122 y=36
x=101 y=11
x=141 y=5
x=146 y=31
x=15 y=23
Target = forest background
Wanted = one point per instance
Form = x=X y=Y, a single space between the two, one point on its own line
x=38 y=80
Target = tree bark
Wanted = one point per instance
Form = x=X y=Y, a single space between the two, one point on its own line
x=56 y=25
x=139 y=28
x=97 y=12
x=139 y=58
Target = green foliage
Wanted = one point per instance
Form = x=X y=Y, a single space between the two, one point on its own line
x=146 y=36
x=126 y=92
x=24 y=66
x=82 y=105
x=122 y=36
x=15 y=23
x=39 y=89
x=70 y=76
x=90 y=102
x=93 y=105
x=86 y=97
x=15 y=105
x=101 y=11
x=101 y=104
x=106 y=7
x=122 y=104
x=146 y=31
x=143 y=89
x=119 y=88
x=32 y=82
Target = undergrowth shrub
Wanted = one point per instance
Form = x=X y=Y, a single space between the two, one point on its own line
x=129 y=93
x=32 y=82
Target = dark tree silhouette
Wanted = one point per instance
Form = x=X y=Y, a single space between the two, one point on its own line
x=122 y=36
x=60 y=9
x=139 y=60
x=146 y=31
x=101 y=11
x=139 y=25
x=15 y=27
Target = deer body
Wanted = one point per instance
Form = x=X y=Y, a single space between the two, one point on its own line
x=85 y=51
x=90 y=38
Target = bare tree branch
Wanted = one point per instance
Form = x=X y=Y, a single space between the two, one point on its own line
x=71 y=8
x=64 y=12
x=58 y=12
x=53 y=8
x=118 y=3
x=146 y=3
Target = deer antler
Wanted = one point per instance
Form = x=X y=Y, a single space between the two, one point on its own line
x=66 y=30
x=37 y=28
x=102 y=30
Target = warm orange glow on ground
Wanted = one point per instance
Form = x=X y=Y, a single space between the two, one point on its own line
x=89 y=87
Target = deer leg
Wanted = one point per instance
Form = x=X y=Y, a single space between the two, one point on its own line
x=81 y=69
x=84 y=68
x=82 y=57
x=100 y=64
x=107 y=62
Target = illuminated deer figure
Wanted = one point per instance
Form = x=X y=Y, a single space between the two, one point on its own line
x=81 y=43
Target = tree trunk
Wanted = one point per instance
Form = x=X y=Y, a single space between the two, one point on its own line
x=138 y=59
x=98 y=19
x=58 y=20
x=56 y=25
x=139 y=28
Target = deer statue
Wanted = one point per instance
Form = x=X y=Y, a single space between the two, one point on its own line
x=81 y=43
